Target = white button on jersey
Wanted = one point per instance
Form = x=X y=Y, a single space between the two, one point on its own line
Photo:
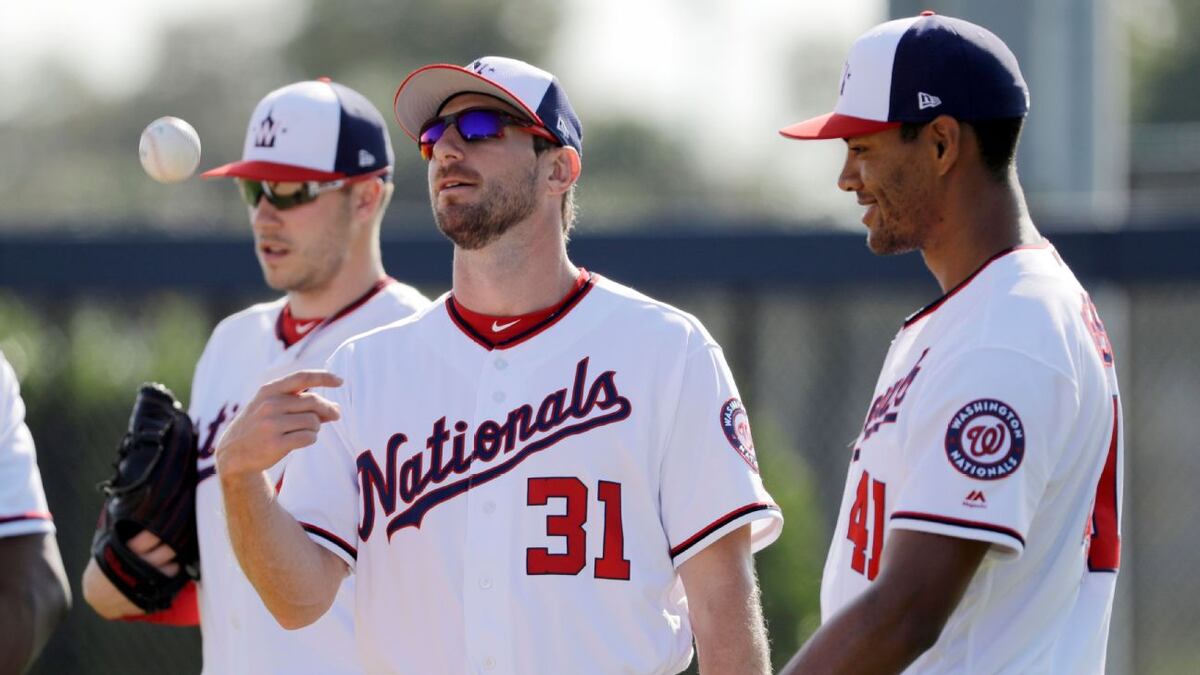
x=543 y=531
x=996 y=418
x=239 y=634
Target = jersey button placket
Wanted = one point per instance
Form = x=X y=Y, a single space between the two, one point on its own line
x=488 y=550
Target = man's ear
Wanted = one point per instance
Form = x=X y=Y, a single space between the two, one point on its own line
x=565 y=169
x=367 y=197
x=945 y=141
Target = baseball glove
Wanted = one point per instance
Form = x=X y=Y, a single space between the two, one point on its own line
x=154 y=489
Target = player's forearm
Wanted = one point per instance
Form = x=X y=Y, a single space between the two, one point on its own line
x=34 y=597
x=875 y=634
x=725 y=608
x=296 y=578
x=741 y=647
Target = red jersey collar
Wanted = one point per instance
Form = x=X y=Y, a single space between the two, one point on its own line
x=502 y=332
x=291 y=330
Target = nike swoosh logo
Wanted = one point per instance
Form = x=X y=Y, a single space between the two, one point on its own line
x=304 y=327
x=497 y=327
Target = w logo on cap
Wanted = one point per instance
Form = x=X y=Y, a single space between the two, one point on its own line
x=267 y=129
x=927 y=100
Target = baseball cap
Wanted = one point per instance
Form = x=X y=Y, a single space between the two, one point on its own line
x=316 y=130
x=422 y=94
x=914 y=69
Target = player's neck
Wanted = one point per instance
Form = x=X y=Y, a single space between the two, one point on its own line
x=525 y=270
x=977 y=223
x=356 y=277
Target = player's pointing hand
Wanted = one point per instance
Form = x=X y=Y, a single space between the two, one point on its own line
x=283 y=416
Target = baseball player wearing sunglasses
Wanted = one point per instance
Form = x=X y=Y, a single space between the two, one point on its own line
x=543 y=472
x=315 y=177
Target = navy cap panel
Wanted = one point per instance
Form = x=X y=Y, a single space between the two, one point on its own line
x=946 y=66
x=363 y=143
x=556 y=113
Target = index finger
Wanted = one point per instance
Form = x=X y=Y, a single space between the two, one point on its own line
x=301 y=380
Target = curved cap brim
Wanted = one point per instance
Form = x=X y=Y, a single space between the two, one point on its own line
x=421 y=95
x=259 y=170
x=835 y=125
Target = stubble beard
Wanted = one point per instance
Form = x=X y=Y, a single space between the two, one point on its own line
x=321 y=261
x=498 y=209
x=902 y=228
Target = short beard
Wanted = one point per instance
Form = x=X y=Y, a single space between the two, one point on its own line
x=885 y=239
x=500 y=207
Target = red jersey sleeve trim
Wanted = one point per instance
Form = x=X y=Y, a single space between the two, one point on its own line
x=958 y=522
x=29 y=515
x=331 y=538
x=718 y=524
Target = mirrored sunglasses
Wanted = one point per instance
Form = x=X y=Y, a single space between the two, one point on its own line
x=285 y=195
x=475 y=124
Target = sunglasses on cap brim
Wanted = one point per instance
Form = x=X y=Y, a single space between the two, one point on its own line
x=284 y=195
x=475 y=124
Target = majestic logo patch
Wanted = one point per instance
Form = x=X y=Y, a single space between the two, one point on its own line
x=975 y=500
x=985 y=439
x=736 y=425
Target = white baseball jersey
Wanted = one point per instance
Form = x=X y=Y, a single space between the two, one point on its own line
x=524 y=508
x=996 y=418
x=23 y=507
x=244 y=352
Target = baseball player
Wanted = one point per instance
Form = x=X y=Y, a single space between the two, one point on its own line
x=544 y=471
x=34 y=595
x=978 y=531
x=315 y=175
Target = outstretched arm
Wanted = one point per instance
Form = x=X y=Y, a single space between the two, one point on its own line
x=724 y=607
x=34 y=597
x=296 y=578
x=922 y=579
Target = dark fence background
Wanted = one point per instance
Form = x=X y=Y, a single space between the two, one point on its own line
x=805 y=320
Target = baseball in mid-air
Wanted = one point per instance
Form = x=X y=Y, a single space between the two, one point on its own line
x=169 y=150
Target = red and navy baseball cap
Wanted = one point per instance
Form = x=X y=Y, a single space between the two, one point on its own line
x=912 y=70
x=422 y=94
x=316 y=130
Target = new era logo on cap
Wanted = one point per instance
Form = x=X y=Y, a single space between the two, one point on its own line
x=533 y=90
x=317 y=130
x=896 y=64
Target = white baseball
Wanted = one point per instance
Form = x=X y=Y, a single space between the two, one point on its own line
x=169 y=150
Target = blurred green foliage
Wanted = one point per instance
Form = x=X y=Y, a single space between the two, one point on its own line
x=80 y=363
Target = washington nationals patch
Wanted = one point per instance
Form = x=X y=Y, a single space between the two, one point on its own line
x=736 y=424
x=985 y=439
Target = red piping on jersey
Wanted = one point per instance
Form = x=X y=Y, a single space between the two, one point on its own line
x=718 y=524
x=330 y=537
x=359 y=302
x=564 y=307
x=933 y=306
x=958 y=522
x=28 y=515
